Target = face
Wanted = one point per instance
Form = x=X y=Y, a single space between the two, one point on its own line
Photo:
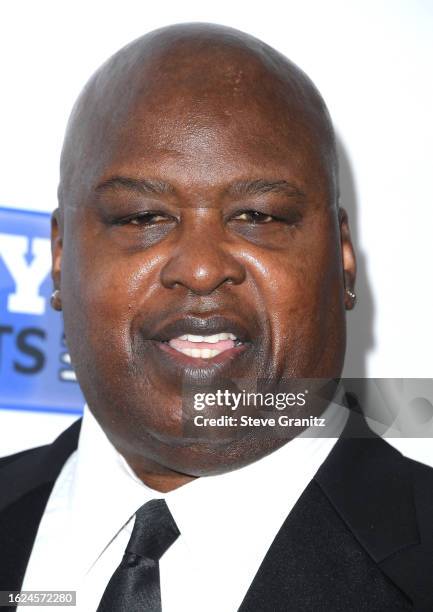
x=199 y=218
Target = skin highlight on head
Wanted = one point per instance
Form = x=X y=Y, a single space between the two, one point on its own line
x=198 y=182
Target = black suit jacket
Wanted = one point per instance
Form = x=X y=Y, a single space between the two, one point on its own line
x=360 y=538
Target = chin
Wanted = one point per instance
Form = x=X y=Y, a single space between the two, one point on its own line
x=205 y=457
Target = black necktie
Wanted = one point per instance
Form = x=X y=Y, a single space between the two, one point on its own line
x=135 y=586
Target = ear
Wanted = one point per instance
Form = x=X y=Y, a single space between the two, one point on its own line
x=56 y=257
x=348 y=260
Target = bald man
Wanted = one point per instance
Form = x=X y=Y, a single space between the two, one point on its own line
x=199 y=252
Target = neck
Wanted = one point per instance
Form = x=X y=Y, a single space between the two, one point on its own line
x=162 y=481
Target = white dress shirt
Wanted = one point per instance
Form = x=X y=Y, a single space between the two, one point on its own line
x=227 y=522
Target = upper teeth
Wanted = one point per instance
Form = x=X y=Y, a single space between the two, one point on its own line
x=212 y=339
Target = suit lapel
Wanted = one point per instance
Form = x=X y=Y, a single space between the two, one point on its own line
x=369 y=484
x=26 y=481
x=386 y=500
x=412 y=567
x=359 y=538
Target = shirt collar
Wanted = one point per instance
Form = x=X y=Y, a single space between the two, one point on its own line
x=106 y=493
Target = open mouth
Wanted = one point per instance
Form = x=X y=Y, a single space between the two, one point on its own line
x=202 y=342
x=204 y=347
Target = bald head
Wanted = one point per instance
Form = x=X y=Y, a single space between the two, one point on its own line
x=198 y=75
x=198 y=191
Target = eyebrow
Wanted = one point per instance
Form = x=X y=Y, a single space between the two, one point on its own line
x=261 y=186
x=239 y=188
x=141 y=186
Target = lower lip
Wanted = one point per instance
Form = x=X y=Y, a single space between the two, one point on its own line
x=201 y=362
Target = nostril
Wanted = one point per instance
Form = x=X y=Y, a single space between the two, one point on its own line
x=201 y=268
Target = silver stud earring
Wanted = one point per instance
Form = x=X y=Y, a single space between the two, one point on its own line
x=351 y=294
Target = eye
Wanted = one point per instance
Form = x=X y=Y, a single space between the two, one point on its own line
x=255 y=216
x=146 y=218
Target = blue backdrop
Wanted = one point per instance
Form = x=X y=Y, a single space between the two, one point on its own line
x=35 y=372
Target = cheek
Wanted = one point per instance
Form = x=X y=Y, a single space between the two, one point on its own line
x=108 y=294
x=97 y=292
x=302 y=293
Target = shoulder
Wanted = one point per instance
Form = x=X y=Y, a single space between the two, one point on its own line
x=26 y=455
x=27 y=470
x=421 y=470
x=422 y=479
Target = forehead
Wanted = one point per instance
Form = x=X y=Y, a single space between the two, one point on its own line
x=196 y=144
x=204 y=141
x=219 y=118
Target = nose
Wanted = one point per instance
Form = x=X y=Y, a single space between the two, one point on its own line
x=201 y=260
